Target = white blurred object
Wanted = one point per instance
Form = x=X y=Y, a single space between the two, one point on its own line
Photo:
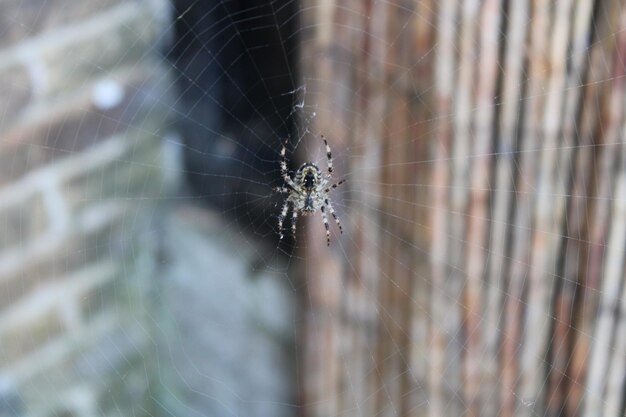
x=107 y=94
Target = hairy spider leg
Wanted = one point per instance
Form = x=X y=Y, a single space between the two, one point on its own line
x=325 y=220
x=283 y=166
x=329 y=157
x=294 y=220
x=281 y=189
x=281 y=218
x=334 y=186
x=332 y=211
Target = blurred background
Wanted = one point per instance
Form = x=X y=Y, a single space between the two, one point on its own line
x=481 y=271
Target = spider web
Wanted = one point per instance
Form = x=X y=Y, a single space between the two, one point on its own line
x=332 y=381
x=408 y=312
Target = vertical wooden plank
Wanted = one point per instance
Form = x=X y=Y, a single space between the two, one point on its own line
x=601 y=353
x=616 y=245
x=409 y=254
x=445 y=64
x=602 y=106
x=501 y=232
x=421 y=132
x=388 y=349
x=359 y=304
x=477 y=252
x=323 y=271
x=530 y=144
x=464 y=102
x=363 y=283
x=581 y=36
x=398 y=251
x=328 y=264
x=614 y=402
x=548 y=213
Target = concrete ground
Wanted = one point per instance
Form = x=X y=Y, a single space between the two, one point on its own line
x=227 y=321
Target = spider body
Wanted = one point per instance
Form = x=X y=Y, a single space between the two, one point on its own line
x=307 y=192
x=308 y=177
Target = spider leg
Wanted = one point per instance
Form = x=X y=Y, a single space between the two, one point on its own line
x=281 y=218
x=329 y=157
x=332 y=187
x=332 y=211
x=283 y=166
x=294 y=219
x=281 y=189
x=325 y=220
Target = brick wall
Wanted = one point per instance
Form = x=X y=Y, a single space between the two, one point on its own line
x=82 y=111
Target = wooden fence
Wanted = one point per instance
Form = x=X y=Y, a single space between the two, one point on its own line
x=482 y=268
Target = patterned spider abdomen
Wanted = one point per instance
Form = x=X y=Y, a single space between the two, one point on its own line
x=309 y=181
x=308 y=176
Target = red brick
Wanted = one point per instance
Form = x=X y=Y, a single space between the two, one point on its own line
x=71 y=255
x=125 y=43
x=110 y=363
x=136 y=176
x=15 y=93
x=20 y=19
x=24 y=338
x=99 y=362
x=22 y=221
x=74 y=125
x=97 y=299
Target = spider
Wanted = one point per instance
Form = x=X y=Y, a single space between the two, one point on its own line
x=307 y=192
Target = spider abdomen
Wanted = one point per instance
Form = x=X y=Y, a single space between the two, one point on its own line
x=309 y=181
x=308 y=176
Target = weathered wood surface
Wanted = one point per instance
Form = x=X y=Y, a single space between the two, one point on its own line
x=482 y=269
